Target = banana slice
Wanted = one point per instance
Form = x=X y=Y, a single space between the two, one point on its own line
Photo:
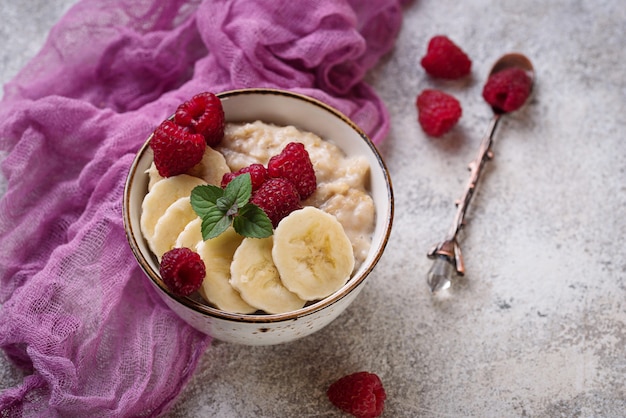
x=217 y=254
x=255 y=276
x=312 y=253
x=161 y=196
x=191 y=236
x=169 y=226
x=211 y=168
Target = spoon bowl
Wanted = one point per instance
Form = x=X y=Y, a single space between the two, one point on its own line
x=513 y=60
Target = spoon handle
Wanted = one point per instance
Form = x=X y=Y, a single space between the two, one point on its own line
x=476 y=168
x=448 y=252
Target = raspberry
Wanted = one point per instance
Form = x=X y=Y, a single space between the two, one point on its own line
x=277 y=197
x=507 y=90
x=438 y=112
x=175 y=149
x=360 y=394
x=258 y=175
x=444 y=59
x=182 y=271
x=294 y=164
x=203 y=114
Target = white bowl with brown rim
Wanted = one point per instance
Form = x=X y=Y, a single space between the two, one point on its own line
x=307 y=114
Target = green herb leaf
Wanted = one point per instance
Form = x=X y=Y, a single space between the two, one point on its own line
x=204 y=198
x=239 y=189
x=252 y=222
x=220 y=208
x=214 y=222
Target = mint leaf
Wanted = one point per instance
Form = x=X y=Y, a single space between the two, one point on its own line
x=239 y=189
x=214 y=222
x=252 y=222
x=204 y=198
x=220 y=208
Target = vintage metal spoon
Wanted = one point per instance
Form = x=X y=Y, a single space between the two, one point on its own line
x=447 y=256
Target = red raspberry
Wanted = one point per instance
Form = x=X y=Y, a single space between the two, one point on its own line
x=175 y=149
x=277 y=197
x=438 y=112
x=444 y=59
x=360 y=394
x=507 y=90
x=294 y=164
x=203 y=114
x=258 y=175
x=182 y=271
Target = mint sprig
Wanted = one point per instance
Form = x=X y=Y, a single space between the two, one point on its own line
x=220 y=208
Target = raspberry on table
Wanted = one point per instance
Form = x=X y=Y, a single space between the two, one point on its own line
x=203 y=114
x=438 y=112
x=258 y=175
x=445 y=59
x=294 y=164
x=277 y=197
x=182 y=271
x=175 y=148
x=360 y=394
x=507 y=90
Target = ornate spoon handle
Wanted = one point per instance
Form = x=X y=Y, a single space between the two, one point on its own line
x=447 y=254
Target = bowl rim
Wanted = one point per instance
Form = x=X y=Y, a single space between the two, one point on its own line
x=209 y=311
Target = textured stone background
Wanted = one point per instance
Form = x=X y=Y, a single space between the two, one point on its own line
x=538 y=325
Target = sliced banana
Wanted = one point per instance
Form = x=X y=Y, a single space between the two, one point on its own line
x=168 y=227
x=312 y=253
x=191 y=236
x=217 y=254
x=255 y=276
x=161 y=196
x=211 y=168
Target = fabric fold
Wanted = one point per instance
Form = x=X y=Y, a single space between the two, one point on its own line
x=78 y=316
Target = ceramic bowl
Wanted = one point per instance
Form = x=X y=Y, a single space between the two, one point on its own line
x=281 y=108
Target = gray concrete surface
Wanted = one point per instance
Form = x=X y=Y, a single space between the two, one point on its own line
x=537 y=328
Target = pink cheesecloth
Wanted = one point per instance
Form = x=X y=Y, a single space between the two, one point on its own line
x=77 y=315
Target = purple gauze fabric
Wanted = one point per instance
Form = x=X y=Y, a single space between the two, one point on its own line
x=77 y=314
